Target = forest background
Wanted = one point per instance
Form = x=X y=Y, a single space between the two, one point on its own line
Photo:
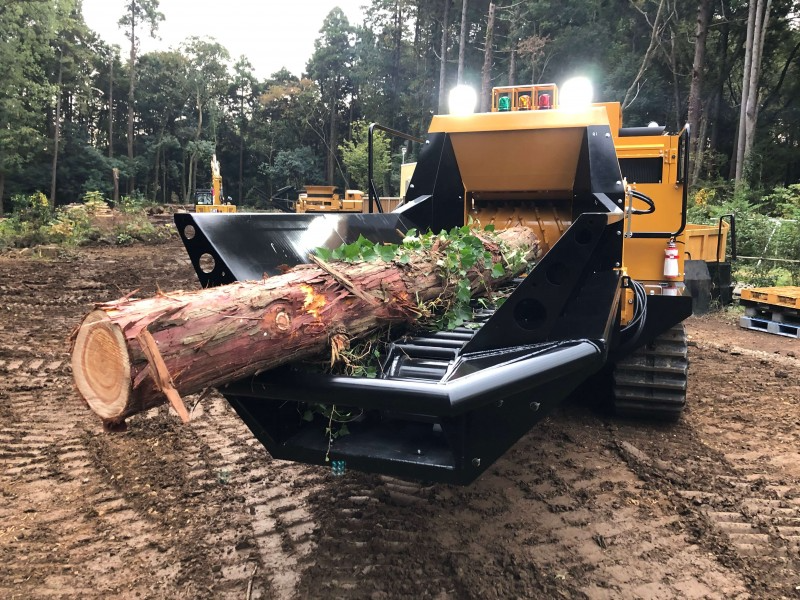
x=74 y=109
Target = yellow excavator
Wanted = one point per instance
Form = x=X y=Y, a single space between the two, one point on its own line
x=211 y=200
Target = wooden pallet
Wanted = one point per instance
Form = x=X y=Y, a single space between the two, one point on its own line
x=786 y=297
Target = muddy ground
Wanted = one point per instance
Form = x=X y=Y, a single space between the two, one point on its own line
x=584 y=506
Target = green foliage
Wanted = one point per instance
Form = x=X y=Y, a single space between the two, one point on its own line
x=33 y=209
x=26 y=31
x=460 y=252
x=133 y=204
x=296 y=167
x=337 y=421
x=192 y=101
x=33 y=223
x=355 y=156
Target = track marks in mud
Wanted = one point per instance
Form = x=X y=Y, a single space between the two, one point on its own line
x=375 y=540
x=67 y=511
x=754 y=430
x=271 y=500
x=585 y=525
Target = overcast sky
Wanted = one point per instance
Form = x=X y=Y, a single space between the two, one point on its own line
x=270 y=33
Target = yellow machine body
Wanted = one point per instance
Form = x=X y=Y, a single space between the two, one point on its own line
x=518 y=166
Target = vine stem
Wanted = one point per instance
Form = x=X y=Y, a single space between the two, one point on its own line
x=330 y=434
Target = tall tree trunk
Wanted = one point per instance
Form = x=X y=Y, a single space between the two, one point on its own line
x=241 y=146
x=157 y=164
x=700 y=134
x=443 y=53
x=751 y=113
x=398 y=38
x=716 y=105
x=241 y=168
x=131 y=87
x=512 y=67
x=2 y=191
x=462 y=42
x=191 y=184
x=111 y=111
x=332 y=144
x=56 y=132
x=748 y=57
x=698 y=74
x=184 y=179
x=486 y=72
x=164 y=178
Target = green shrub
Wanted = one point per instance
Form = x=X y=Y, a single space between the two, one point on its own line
x=33 y=209
x=134 y=203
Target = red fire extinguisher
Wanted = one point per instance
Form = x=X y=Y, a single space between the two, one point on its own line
x=671 y=260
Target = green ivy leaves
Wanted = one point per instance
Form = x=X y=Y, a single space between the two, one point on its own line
x=460 y=251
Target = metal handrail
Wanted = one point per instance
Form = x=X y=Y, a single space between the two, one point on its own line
x=732 y=219
x=682 y=177
x=371 y=191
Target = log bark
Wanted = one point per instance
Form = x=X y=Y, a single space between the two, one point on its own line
x=131 y=355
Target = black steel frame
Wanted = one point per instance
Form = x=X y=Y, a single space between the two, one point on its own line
x=558 y=327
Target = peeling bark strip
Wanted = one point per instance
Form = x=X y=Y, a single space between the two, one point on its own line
x=129 y=355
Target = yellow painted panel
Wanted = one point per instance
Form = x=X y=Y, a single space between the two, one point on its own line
x=505 y=161
x=215 y=208
x=702 y=241
x=643 y=258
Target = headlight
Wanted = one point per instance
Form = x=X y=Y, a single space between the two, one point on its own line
x=462 y=100
x=576 y=93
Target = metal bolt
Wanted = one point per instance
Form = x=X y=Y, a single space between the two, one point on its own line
x=619 y=201
x=619 y=232
x=608 y=135
x=619 y=182
x=630 y=300
x=476 y=462
x=419 y=452
x=499 y=403
x=616 y=264
x=535 y=406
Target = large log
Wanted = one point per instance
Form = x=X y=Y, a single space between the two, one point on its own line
x=131 y=355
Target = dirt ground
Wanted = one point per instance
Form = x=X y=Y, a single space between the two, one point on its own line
x=584 y=506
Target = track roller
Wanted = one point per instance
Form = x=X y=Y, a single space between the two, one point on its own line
x=651 y=382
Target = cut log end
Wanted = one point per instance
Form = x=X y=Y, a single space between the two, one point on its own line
x=101 y=366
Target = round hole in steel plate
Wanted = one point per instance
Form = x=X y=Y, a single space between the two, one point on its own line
x=207 y=263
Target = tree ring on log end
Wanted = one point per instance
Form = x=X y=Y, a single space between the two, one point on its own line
x=101 y=366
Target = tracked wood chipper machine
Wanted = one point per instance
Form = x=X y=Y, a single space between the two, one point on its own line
x=605 y=300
